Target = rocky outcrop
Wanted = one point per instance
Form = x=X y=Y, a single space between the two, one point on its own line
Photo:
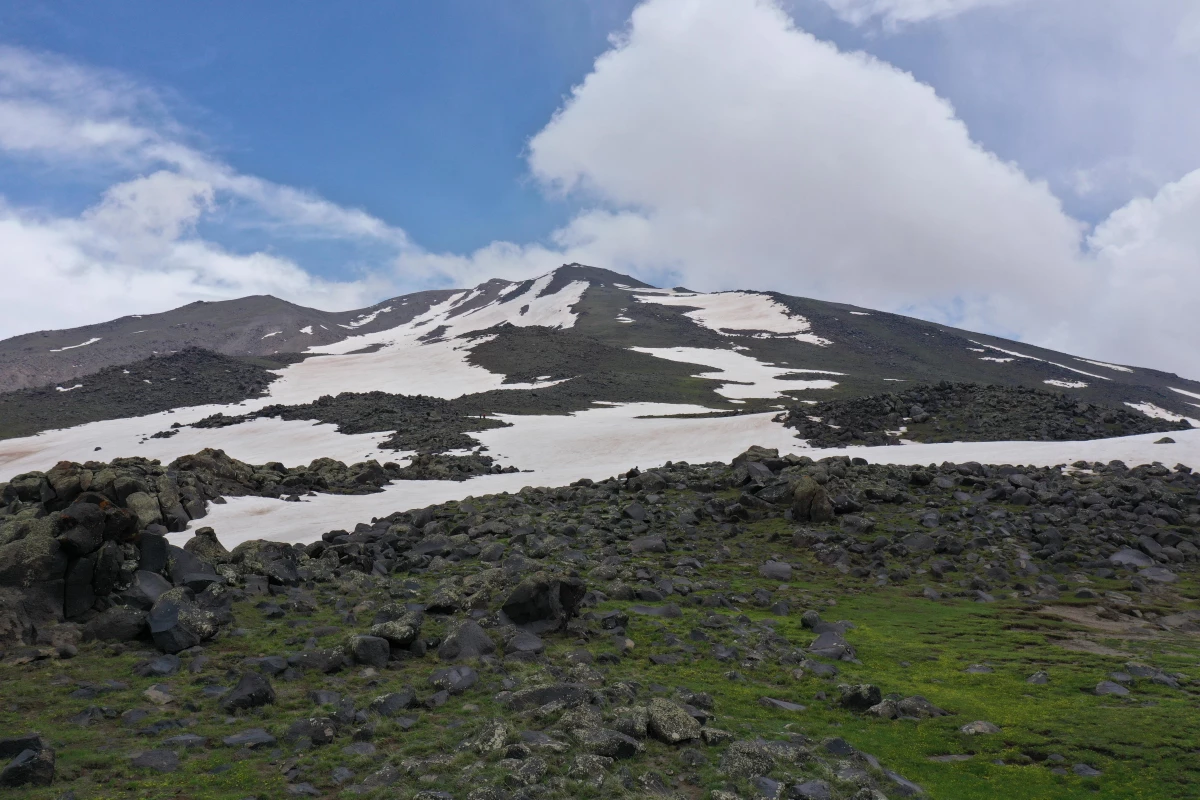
x=949 y=412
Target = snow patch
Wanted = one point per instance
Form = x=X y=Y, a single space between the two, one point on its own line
x=272 y=333
x=1185 y=393
x=307 y=329
x=73 y=346
x=997 y=360
x=1102 y=364
x=1042 y=360
x=1151 y=410
x=365 y=319
x=1067 y=384
x=69 y=388
x=728 y=312
x=743 y=376
x=860 y=313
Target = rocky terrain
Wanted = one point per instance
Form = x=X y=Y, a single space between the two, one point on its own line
x=419 y=424
x=775 y=627
x=964 y=412
x=191 y=377
x=254 y=326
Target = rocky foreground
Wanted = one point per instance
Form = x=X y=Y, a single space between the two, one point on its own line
x=775 y=627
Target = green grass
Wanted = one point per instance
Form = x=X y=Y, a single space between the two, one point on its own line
x=1146 y=745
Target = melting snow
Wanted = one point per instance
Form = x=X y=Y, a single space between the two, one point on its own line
x=726 y=312
x=73 y=346
x=860 y=313
x=272 y=333
x=743 y=376
x=997 y=360
x=358 y=322
x=307 y=329
x=69 y=388
x=610 y=439
x=596 y=443
x=404 y=364
x=1102 y=364
x=1067 y=384
x=1151 y=410
x=1035 y=358
x=1181 y=391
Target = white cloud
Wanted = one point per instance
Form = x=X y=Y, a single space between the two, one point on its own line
x=136 y=249
x=898 y=12
x=719 y=144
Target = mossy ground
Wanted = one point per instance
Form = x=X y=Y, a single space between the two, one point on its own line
x=1147 y=745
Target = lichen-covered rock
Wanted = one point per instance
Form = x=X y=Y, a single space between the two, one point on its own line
x=810 y=502
x=669 y=723
x=400 y=632
x=745 y=759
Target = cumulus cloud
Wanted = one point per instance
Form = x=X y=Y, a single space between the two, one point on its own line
x=716 y=144
x=720 y=145
x=136 y=248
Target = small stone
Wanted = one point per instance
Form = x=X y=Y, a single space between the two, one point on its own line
x=252 y=738
x=978 y=727
x=1109 y=687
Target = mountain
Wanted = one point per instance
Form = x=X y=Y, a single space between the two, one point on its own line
x=553 y=325
x=255 y=326
x=579 y=536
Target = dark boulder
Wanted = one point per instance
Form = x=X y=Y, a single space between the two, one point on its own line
x=116 y=624
x=468 y=640
x=252 y=691
x=545 y=602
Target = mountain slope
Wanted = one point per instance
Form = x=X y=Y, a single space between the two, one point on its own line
x=254 y=326
x=869 y=348
x=587 y=344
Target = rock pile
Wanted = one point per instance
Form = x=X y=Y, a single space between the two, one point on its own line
x=949 y=412
x=418 y=423
x=89 y=539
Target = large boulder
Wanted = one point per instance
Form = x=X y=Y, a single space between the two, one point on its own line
x=116 y=624
x=177 y=622
x=37 y=558
x=810 y=502
x=81 y=529
x=145 y=508
x=372 y=651
x=402 y=631
x=277 y=561
x=30 y=762
x=145 y=589
x=78 y=595
x=468 y=640
x=207 y=546
x=544 y=602
x=252 y=691
x=670 y=723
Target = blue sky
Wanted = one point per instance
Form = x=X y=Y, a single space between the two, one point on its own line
x=1025 y=167
x=418 y=112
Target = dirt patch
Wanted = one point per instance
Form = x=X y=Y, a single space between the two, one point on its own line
x=1089 y=617
x=1081 y=645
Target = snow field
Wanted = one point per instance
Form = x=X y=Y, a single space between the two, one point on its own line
x=608 y=440
x=745 y=376
x=724 y=312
